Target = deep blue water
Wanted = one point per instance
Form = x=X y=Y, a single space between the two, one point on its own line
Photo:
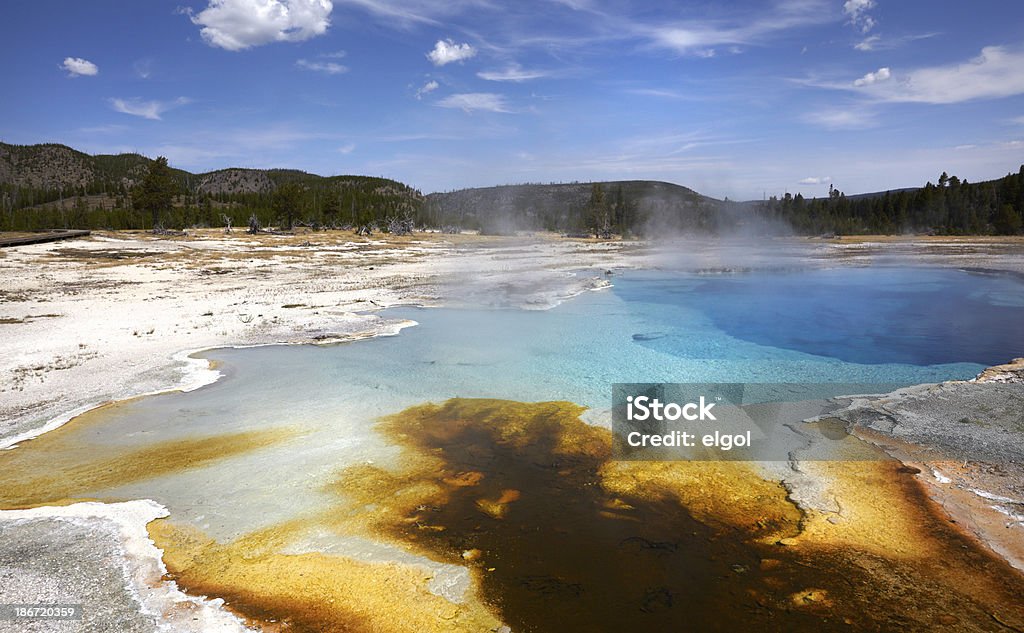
x=914 y=316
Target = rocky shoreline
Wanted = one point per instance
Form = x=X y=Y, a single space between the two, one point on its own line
x=967 y=440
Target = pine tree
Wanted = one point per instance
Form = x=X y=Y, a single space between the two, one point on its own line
x=156 y=191
x=598 y=208
x=332 y=206
x=1007 y=220
x=288 y=201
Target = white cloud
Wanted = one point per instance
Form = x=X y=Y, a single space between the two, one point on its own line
x=815 y=180
x=701 y=37
x=329 y=68
x=147 y=109
x=696 y=39
x=839 y=119
x=348 y=148
x=857 y=11
x=869 y=43
x=78 y=67
x=475 y=101
x=879 y=43
x=511 y=73
x=427 y=88
x=447 y=51
x=882 y=74
x=235 y=25
x=997 y=72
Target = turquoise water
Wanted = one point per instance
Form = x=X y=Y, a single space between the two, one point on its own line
x=842 y=325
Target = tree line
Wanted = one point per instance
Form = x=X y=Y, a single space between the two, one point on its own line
x=951 y=206
x=163 y=197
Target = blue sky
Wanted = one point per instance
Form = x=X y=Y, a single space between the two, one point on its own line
x=732 y=99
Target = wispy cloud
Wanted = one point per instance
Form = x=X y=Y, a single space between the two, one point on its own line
x=869 y=43
x=328 y=68
x=427 y=88
x=236 y=25
x=659 y=93
x=475 y=101
x=405 y=14
x=419 y=136
x=842 y=119
x=147 y=109
x=576 y=5
x=447 y=51
x=103 y=129
x=996 y=73
x=143 y=68
x=702 y=38
x=347 y=148
x=512 y=72
x=815 y=180
x=879 y=43
x=78 y=67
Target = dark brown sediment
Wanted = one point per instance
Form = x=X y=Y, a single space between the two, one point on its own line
x=560 y=538
x=589 y=544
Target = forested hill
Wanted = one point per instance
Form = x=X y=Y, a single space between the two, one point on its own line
x=622 y=207
x=950 y=206
x=55 y=186
x=50 y=167
x=47 y=186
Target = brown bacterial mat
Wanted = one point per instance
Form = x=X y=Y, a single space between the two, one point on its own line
x=561 y=538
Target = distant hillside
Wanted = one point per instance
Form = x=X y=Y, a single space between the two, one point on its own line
x=54 y=186
x=58 y=167
x=630 y=204
x=50 y=185
x=228 y=181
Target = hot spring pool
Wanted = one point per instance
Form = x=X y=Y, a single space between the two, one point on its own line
x=842 y=325
x=261 y=456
